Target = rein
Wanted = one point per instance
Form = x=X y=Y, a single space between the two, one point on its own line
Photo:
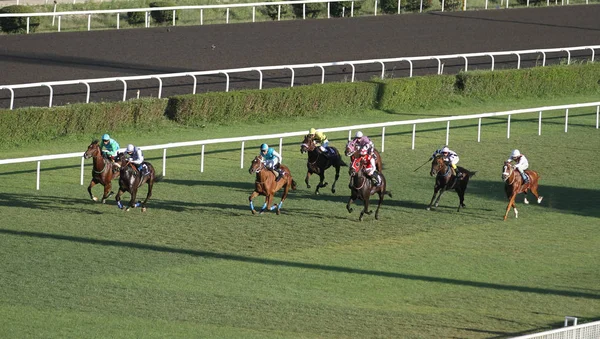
x=508 y=175
x=103 y=167
x=364 y=180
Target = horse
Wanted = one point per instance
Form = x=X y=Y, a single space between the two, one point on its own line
x=266 y=185
x=513 y=185
x=362 y=188
x=318 y=162
x=352 y=151
x=102 y=172
x=446 y=180
x=131 y=180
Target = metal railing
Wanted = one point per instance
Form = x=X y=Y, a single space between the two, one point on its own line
x=147 y=11
x=292 y=68
x=280 y=136
x=585 y=331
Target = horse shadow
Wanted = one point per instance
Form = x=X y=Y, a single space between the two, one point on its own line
x=42 y=202
x=237 y=185
x=580 y=201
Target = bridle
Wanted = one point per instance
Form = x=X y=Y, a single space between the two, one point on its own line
x=507 y=172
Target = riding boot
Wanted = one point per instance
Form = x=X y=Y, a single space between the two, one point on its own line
x=280 y=174
x=375 y=179
x=525 y=178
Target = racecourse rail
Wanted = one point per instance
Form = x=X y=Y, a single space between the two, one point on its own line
x=291 y=68
x=584 y=331
x=383 y=126
x=147 y=11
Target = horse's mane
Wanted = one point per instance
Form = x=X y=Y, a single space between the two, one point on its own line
x=95 y=142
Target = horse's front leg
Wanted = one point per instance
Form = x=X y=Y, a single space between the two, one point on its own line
x=365 y=209
x=353 y=197
x=511 y=202
x=268 y=202
x=132 y=203
x=337 y=176
x=306 y=179
x=321 y=182
x=107 y=192
x=118 y=197
x=435 y=191
x=93 y=182
x=250 y=199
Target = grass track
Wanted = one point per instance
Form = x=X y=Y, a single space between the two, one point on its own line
x=198 y=264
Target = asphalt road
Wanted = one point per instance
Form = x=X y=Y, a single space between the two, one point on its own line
x=109 y=53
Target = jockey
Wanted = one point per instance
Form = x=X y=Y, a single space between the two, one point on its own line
x=320 y=139
x=272 y=160
x=136 y=157
x=361 y=141
x=370 y=167
x=521 y=163
x=109 y=147
x=450 y=157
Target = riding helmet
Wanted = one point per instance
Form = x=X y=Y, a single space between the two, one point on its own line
x=515 y=153
x=312 y=131
x=105 y=137
x=358 y=135
x=264 y=147
x=130 y=148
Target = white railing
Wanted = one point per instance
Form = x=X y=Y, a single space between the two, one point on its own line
x=280 y=136
x=292 y=68
x=147 y=11
x=585 y=331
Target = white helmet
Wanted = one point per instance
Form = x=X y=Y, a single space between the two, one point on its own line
x=445 y=149
x=358 y=135
x=515 y=154
x=130 y=148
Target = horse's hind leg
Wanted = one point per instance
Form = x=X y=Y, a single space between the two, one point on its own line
x=150 y=185
x=461 y=199
x=534 y=190
x=381 y=195
x=286 y=189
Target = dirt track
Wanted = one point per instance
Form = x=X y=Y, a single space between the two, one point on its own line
x=96 y=54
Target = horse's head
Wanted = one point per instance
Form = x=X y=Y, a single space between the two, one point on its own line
x=356 y=166
x=308 y=144
x=92 y=150
x=507 y=170
x=351 y=148
x=257 y=165
x=437 y=165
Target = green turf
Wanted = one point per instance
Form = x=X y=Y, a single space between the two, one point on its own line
x=198 y=264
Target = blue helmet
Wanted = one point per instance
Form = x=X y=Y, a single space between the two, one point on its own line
x=264 y=147
x=105 y=137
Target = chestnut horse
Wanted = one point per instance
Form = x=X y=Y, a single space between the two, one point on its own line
x=362 y=188
x=446 y=180
x=318 y=162
x=131 y=180
x=513 y=185
x=352 y=151
x=266 y=185
x=102 y=173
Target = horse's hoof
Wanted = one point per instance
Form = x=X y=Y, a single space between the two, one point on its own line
x=308 y=186
x=253 y=212
x=525 y=201
x=429 y=208
x=540 y=200
x=350 y=210
x=127 y=209
x=94 y=198
x=278 y=211
x=333 y=190
x=144 y=209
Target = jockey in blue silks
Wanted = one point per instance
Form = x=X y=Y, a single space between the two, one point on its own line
x=271 y=159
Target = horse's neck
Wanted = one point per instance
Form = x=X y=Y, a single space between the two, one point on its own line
x=99 y=162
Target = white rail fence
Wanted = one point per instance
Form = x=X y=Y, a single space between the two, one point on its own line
x=280 y=136
x=585 y=331
x=226 y=72
x=201 y=8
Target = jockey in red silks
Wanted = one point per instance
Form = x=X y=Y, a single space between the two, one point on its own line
x=370 y=167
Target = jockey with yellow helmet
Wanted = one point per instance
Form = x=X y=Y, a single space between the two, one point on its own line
x=271 y=159
x=320 y=139
x=450 y=157
x=521 y=163
x=109 y=147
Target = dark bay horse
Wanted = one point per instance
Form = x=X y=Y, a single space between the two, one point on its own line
x=266 y=185
x=362 y=188
x=513 y=185
x=446 y=180
x=318 y=162
x=131 y=180
x=353 y=151
x=102 y=173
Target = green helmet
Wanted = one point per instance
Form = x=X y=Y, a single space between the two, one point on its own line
x=105 y=137
x=264 y=147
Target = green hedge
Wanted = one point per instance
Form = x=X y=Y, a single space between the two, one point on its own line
x=309 y=101
x=18 y=24
x=38 y=123
x=417 y=92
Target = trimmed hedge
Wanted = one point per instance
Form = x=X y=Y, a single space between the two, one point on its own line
x=309 y=101
x=18 y=25
x=39 y=123
x=163 y=16
x=417 y=92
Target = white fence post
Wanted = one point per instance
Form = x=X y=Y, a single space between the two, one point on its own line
x=37 y=182
x=383 y=140
x=202 y=160
x=164 y=170
x=566 y=119
x=242 y=156
x=82 y=170
x=508 y=128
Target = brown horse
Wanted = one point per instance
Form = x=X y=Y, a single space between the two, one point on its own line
x=362 y=188
x=318 y=162
x=266 y=185
x=446 y=180
x=513 y=185
x=102 y=173
x=353 y=151
x=131 y=180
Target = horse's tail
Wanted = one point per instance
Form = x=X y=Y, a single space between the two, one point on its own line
x=159 y=178
x=342 y=163
x=471 y=174
x=294 y=185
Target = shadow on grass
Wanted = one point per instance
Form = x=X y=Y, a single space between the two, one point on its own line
x=328 y=268
x=45 y=203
